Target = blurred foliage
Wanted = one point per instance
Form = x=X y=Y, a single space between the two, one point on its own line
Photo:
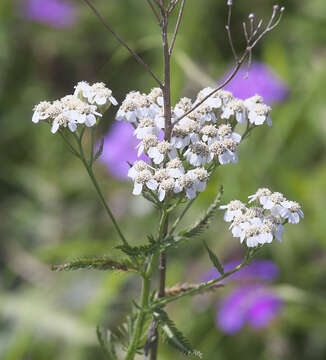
x=50 y=213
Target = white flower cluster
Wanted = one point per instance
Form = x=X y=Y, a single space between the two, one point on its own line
x=83 y=107
x=203 y=138
x=260 y=224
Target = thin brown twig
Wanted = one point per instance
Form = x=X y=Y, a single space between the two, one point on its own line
x=172 y=6
x=270 y=26
x=118 y=37
x=167 y=78
x=154 y=11
x=177 y=26
x=228 y=30
x=160 y=4
x=230 y=77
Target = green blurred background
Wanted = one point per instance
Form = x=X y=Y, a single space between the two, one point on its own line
x=50 y=213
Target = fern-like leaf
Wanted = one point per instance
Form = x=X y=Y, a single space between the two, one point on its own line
x=170 y=332
x=105 y=340
x=93 y=263
x=214 y=260
x=202 y=224
x=142 y=250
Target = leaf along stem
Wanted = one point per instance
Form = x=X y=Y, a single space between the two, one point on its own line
x=137 y=333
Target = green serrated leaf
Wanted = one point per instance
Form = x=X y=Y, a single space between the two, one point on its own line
x=174 y=336
x=214 y=259
x=100 y=149
x=202 y=224
x=93 y=263
x=141 y=251
x=106 y=343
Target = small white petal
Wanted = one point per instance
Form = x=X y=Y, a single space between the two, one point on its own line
x=90 y=120
x=161 y=194
x=72 y=126
x=55 y=127
x=113 y=100
x=152 y=184
x=137 y=189
x=36 y=117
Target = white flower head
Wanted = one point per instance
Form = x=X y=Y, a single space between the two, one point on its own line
x=198 y=154
x=258 y=225
x=162 y=150
x=183 y=106
x=145 y=127
x=144 y=177
x=204 y=113
x=185 y=132
x=291 y=211
x=233 y=208
x=214 y=101
x=165 y=186
x=225 y=96
x=224 y=131
x=97 y=93
x=192 y=183
x=175 y=168
x=41 y=111
x=136 y=106
x=260 y=192
x=147 y=142
x=258 y=112
x=209 y=134
x=225 y=151
x=269 y=202
x=255 y=235
x=156 y=97
x=253 y=101
x=235 y=108
x=275 y=224
x=137 y=167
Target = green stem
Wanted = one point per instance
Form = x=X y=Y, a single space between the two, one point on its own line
x=92 y=147
x=199 y=288
x=137 y=333
x=70 y=147
x=173 y=227
x=98 y=189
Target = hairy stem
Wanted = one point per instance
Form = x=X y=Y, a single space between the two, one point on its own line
x=137 y=333
x=167 y=136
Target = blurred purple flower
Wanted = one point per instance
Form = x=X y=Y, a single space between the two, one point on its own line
x=119 y=149
x=262 y=80
x=252 y=301
x=254 y=304
x=56 y=13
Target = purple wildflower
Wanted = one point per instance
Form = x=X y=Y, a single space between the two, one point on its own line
x=119 y=149
x=56 y=13
x=254 y=304
x=252 y=301
x=262 y=80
